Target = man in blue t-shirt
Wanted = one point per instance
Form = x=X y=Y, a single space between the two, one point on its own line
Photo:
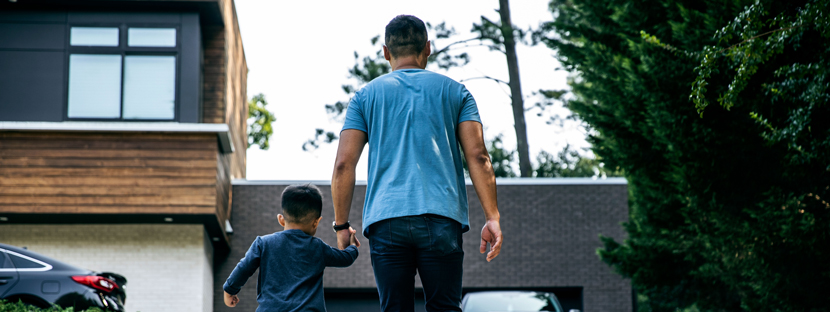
x=416 y=202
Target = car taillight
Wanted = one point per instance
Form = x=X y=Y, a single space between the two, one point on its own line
x=97 y=282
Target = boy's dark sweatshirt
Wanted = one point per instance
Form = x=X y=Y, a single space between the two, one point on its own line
x=291 y=265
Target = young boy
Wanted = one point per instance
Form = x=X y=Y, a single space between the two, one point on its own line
x=291 y=262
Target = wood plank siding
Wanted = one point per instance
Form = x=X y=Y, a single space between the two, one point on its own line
x=113 y=173
x=225 y=98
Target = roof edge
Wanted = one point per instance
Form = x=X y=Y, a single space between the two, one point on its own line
x=222 y=131
x=499 y=181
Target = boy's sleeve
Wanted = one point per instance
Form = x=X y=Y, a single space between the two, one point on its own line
x=244 y=269
x=340 y=258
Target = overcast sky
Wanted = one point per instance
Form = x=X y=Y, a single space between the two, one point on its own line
x=298 y=54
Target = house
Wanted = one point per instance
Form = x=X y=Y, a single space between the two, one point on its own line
x=550 y=225
x=122 y=124
x=122 y=149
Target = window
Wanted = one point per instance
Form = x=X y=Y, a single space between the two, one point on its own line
x=94 y=86
x=23 y=263
x=122 y=73
x=94 y=36
x=151 y=37
x=149 y=87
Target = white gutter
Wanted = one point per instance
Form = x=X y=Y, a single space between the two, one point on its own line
x=499 y=181
x=222 y=131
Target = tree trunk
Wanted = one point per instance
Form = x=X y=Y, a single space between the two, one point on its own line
x=515 y=88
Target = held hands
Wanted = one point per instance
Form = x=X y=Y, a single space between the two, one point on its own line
x=231 y=300
x=346 y=238
x=491 y=234
x=353 y=237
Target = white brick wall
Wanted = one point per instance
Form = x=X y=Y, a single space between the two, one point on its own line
x=167 y=266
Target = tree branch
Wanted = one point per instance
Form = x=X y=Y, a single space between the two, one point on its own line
x=761 y=35
x=446 y=48
x=487 y=77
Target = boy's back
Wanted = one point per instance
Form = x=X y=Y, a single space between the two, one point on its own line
x=291 y=262
x=291 y=265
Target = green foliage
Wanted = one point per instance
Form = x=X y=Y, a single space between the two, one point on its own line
x=19 y=306
x=728 y=212
x=259 y=122
x=501 y=159
x=570 y=163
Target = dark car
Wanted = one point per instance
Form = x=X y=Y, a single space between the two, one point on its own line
x=41 y=281
x=514 y=301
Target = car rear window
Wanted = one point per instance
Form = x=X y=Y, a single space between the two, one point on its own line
x=484 y=302
x=23 y=263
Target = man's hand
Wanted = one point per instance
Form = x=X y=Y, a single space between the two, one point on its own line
x=231 y=300
x=343 y=238
x=353 y=238
x=491 y=234
x=346 y=238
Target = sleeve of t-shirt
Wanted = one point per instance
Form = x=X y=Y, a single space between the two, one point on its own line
x=340 y=258
x=469 y=109
x=244 y=269
x=354 y=115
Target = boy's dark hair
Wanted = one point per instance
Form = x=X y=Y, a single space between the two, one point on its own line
x=406 y=35
x=301 y=203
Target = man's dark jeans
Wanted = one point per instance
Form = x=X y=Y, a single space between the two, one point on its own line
x=431 y=245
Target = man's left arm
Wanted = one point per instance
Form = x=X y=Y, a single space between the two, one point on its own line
x=351 y=146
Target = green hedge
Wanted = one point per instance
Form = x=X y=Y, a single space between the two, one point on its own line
x=19 y=306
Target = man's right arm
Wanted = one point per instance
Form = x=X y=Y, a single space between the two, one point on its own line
x=471 y=137
x=342 y=181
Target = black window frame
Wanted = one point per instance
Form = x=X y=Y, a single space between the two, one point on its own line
x=124 y=50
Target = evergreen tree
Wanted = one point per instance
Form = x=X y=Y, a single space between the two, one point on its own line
x=728 y=202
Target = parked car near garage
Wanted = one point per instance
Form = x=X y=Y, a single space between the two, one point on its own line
x=42 y=282
x=514 y=301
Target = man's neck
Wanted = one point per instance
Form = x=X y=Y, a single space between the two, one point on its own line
x=302 y=227
x=406 y=62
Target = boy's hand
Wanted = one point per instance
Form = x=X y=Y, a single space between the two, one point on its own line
x=231 y=300
x=353 y=237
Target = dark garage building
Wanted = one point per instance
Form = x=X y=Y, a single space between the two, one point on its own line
x=551 y=229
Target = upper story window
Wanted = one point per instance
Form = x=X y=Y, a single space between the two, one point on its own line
x=122 y=73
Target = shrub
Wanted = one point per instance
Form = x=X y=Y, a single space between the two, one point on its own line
x=19 y=306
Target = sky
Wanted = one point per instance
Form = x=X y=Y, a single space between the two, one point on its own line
x=299 y=53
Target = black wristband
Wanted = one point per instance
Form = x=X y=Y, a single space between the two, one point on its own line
x=338 y=228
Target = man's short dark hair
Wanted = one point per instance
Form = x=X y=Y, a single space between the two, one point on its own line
x=406 y=35
x=301 y=203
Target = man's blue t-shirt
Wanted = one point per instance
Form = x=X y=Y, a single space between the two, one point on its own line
x=411 y=118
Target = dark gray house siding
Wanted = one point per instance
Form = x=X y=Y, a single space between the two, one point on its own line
x=551 y=229
x=34 y=53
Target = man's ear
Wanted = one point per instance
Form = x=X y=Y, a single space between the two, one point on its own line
x=386 y=54
x=281 y=219
x=428 y=49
